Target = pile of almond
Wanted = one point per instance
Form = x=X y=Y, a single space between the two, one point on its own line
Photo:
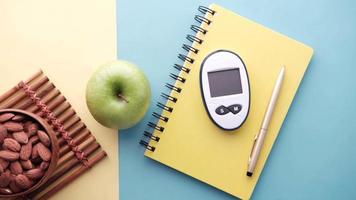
x=25 y=153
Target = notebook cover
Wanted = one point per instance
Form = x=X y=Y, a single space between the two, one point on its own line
x=191 y=143
x=67 y=39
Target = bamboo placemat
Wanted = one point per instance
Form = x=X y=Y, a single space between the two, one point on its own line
x=69 y=166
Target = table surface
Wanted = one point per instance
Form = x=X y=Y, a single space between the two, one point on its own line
x=314 y=156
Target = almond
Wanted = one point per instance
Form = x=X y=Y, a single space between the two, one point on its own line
x=34 y=173
x=3 y=133
x=5 y=191
x=3 y=163
x=26 y=127
x=5 y=179
x=23 y=182
x=31 y=128
x=26 y=151
x=34 y=153
x=21 y=137
x=11 y=145
x=16 y=168
x=14 y=188
x=44 y=165
x=44 y=138
x=9 y=172
x=18 y=118
x=6 y=116
x=44 y=152
x=13 y=126
x=9 y=155
x=27 y=164
x=34 y=139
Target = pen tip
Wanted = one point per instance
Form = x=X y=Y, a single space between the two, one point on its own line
x=249 y=174
x=283 y=69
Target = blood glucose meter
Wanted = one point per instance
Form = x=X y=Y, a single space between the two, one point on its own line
x=225 y=89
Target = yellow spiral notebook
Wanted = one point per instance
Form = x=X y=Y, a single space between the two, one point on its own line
x=185 y=138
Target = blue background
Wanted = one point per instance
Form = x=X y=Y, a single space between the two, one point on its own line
x=314 y=156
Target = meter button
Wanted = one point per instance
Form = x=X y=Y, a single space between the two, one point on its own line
x=222 y=110
x=236 y=108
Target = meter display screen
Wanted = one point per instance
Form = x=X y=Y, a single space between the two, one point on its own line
x=225 y=82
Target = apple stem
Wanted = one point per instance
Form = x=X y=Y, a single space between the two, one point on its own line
x=123 y=98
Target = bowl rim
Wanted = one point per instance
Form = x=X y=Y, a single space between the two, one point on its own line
x=54 y=149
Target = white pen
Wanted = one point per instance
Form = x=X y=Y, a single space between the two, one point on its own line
x=259 y=139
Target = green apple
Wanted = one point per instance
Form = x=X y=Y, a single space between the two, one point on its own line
x=118 y=94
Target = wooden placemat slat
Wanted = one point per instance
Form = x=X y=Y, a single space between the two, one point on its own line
x=69 y=167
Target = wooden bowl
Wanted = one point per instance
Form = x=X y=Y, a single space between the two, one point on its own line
x=54 y=149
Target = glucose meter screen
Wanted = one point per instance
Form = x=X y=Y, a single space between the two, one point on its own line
x=225 y=82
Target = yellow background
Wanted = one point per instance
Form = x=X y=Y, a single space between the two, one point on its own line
x=66 y=39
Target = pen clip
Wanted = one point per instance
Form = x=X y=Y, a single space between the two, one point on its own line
x=253 y=148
